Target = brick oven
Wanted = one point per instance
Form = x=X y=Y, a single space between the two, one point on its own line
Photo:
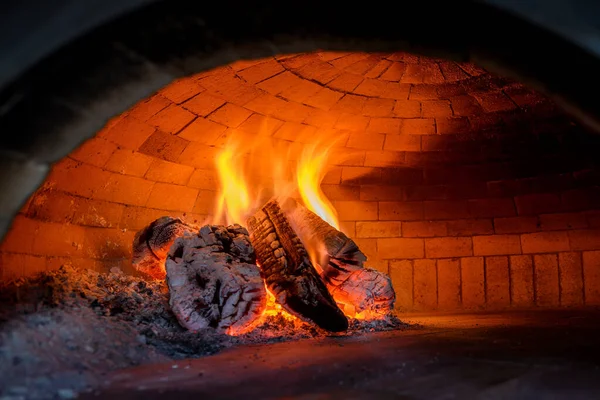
x=477 y=193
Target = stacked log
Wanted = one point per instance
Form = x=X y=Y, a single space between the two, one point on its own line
x=357 y=290
x=288 y=272
x=214 y=281
x=151 y=244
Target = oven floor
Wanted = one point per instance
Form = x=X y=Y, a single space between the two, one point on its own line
x=517 y=355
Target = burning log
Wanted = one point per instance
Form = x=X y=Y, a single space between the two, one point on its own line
x=213 y=280
x=151 y=244
x=358 y=290
x=288 y=272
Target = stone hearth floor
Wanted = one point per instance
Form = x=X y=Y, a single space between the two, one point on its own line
x=516 y=355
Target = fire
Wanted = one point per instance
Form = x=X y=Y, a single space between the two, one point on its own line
x=310 y=173
x=234 y=200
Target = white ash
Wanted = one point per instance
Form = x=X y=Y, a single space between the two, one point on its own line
x=64 y=329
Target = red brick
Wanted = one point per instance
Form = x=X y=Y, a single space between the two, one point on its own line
x=473 y=280
x=166 y=196
x=423 y=92
x=259 y=72
x=164 y=146
x=380 y=158
x=407 y=109
x=425 y=284
x=546 y=280
x=381 y=193
x=107 y=244
x=19 y=238
x=371 y=87
x=346 y=82
x=379 y=68
x=418 y=127
x=350 y=104
x=324 y=99
x=281 y=82
x=593 y=219
x=135 y=218
x=497 y=282
x=448 y=283
x=14 y=266
x=76 y=178
x=591 y=277
x=341 y=192
x=424 y=229
x=333 y=176
x=129 y=162
x=352 y=122
x=368 y=247
x=487 y=208
x=356 y=210
x=496 y=245
x=149 y=107
x=377 y=107
x=436 y=108
x=230 y=115
x=360 y=140
x=564 y=221
x=95 y=151
x=379 y=265
x=204 y=179
x=58 y=239
x=446 y=209
x=403 y=211
x=571 y=279
x=384 y=125
x=585 y=239
x=402 y=143
x=516 y=225
x=263 y=126
x=128 y=132
x=401 y=272
x=581 y=199
x=205 y=202
x=181 y=90
x=203 y=104
x=545 y=242
x=521 y=281
x=202 y=131
x=535 y=204
x=448 y=247
x=394 y=72
x=465 y=106
x=377 y=229
x=492 y=102
x=198 y=155
x=52 y=206
x=470 y=227
x=400 y=248
x=452 y=126
x=168 y=172
x=348 y=228
x=125 y=189
x=452 y=72
x=172 y=119
x=97 y=213
x=290 y=131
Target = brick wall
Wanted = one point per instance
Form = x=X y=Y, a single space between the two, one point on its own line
x=470 y=190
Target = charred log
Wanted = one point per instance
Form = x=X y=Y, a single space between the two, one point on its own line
x=356 y=289
x=288 y=272
x=213 y=280
x=151 y=244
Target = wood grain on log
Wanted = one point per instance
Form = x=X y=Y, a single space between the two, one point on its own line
x=213 y=280
x=288 y=272
x=151 y=244
x=356 y=289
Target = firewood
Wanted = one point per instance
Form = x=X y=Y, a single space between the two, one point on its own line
x=288 y=272
x=356 y=289
x=151 y=244
x=214 y=281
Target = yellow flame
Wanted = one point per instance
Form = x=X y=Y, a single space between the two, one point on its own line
x=234 y=200
x=310 y=174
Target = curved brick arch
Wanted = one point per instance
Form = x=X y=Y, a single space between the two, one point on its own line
x=456 y=178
